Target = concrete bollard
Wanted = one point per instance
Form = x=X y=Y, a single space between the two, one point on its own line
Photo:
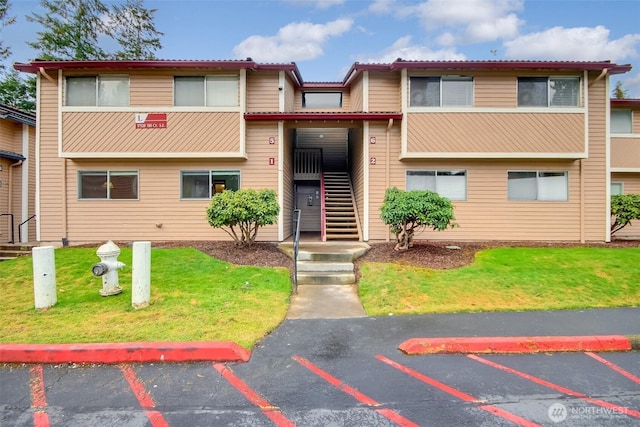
x=141 y=275
x=44 y=276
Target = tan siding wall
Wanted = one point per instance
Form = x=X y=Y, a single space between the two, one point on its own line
x=9 y=142
x=495 y=91
x=151 y=90
x=495 y=133
x=31 y=161
x=289 y=95
x=117 y=133
x=595 y=167
x=262 y=91
x=487 y=214
x=384 y=92
x=288 y=196
x=51 y=217
x=635 y=121
x=357 y=95
x=356 y=154
x=625 y=153
x=631 y=183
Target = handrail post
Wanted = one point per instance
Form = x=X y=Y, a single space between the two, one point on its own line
x=296 y=247
x=20 y=227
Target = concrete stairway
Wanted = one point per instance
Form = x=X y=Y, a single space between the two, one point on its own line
x=14 y=250
x=326 y=281
x=341 y=222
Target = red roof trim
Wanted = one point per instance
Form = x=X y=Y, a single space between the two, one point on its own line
x=621 y=103
x=512 y=65
x=322 y=116
x=33 y=66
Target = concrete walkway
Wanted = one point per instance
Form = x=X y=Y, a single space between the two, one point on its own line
x=327 y=286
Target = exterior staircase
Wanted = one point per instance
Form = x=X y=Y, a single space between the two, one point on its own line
x=341 y=220
x=14 y=250
x=326 y=280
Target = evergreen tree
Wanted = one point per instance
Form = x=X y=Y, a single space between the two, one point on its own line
x=17 y=92
x=71 y=29
x=619 y=92
x=134 y=30
x=5 y=20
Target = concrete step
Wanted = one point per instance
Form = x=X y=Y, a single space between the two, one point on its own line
x=325 y=278
x=325 y=266
x=342 y=236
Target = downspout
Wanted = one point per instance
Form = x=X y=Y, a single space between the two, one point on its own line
x=581 y=162
x=10 y=185
x=388 y=165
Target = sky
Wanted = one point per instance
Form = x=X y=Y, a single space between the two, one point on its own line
x=325 y=37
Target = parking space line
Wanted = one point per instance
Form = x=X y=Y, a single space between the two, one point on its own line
x=457 y=393
x=144 y=398
x=617 y=408
x=270 y=411
x=38 y=397
x=359 y=396
x=613 y=366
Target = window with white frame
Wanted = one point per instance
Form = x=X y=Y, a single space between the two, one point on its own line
x=206 y=184
x=111 y=185
x=548 y=92
x=104 y=90
x=451 y=184
x=322 y=100
x=445 y=91
x=621 y=121
x=617 y=188
x=209 y=91
x=538 y=185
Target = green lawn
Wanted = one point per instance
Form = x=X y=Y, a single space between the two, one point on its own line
x=193 y=298
x=507 y=279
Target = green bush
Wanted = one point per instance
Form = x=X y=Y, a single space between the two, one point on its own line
x=406 y=211
x=241 y=213
x=624 y=209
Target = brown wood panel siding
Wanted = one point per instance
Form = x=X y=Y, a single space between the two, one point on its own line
x=625 y=153
x=384 y=92
x=595 y=167
x=262 y=91
x=495 y=133
x=631 y=185
x=151 y=90
x=51 y=216
x=495 y=91
x=487 y=214
x=187 y=132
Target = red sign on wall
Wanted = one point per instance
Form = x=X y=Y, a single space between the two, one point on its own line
x=151 y=121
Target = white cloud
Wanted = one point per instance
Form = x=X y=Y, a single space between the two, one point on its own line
x=472 y=21
x=578 y=44
x=294 y=42
x=402 y=48
x=382 y=6
x=630 y=83
x=320 y=4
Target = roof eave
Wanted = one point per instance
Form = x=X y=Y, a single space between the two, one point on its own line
x=317 y=116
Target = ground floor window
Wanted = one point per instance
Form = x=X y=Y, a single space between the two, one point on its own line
x=617 y=188
x=538 y=185
x=205 y=184
x=451 y=184
x=116 y=185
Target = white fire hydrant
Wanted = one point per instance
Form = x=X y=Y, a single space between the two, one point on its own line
x=108 y=268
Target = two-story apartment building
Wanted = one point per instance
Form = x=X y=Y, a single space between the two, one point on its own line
x=134 y=150
x=17 y=175
x=625 y=154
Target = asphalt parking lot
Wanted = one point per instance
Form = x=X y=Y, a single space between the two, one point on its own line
x=339 y=373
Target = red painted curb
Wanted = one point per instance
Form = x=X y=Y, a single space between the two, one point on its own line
x=418 y=346
x=124 y=352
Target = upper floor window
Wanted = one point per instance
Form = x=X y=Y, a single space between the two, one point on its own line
x=209 y=91
x=206 y=184
x=621 y=121
x=548 y=92
x=104 y=90
x=108 y=185
x=450 y=184
x=445 y=91
x=538 y=185
x=322 y=100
